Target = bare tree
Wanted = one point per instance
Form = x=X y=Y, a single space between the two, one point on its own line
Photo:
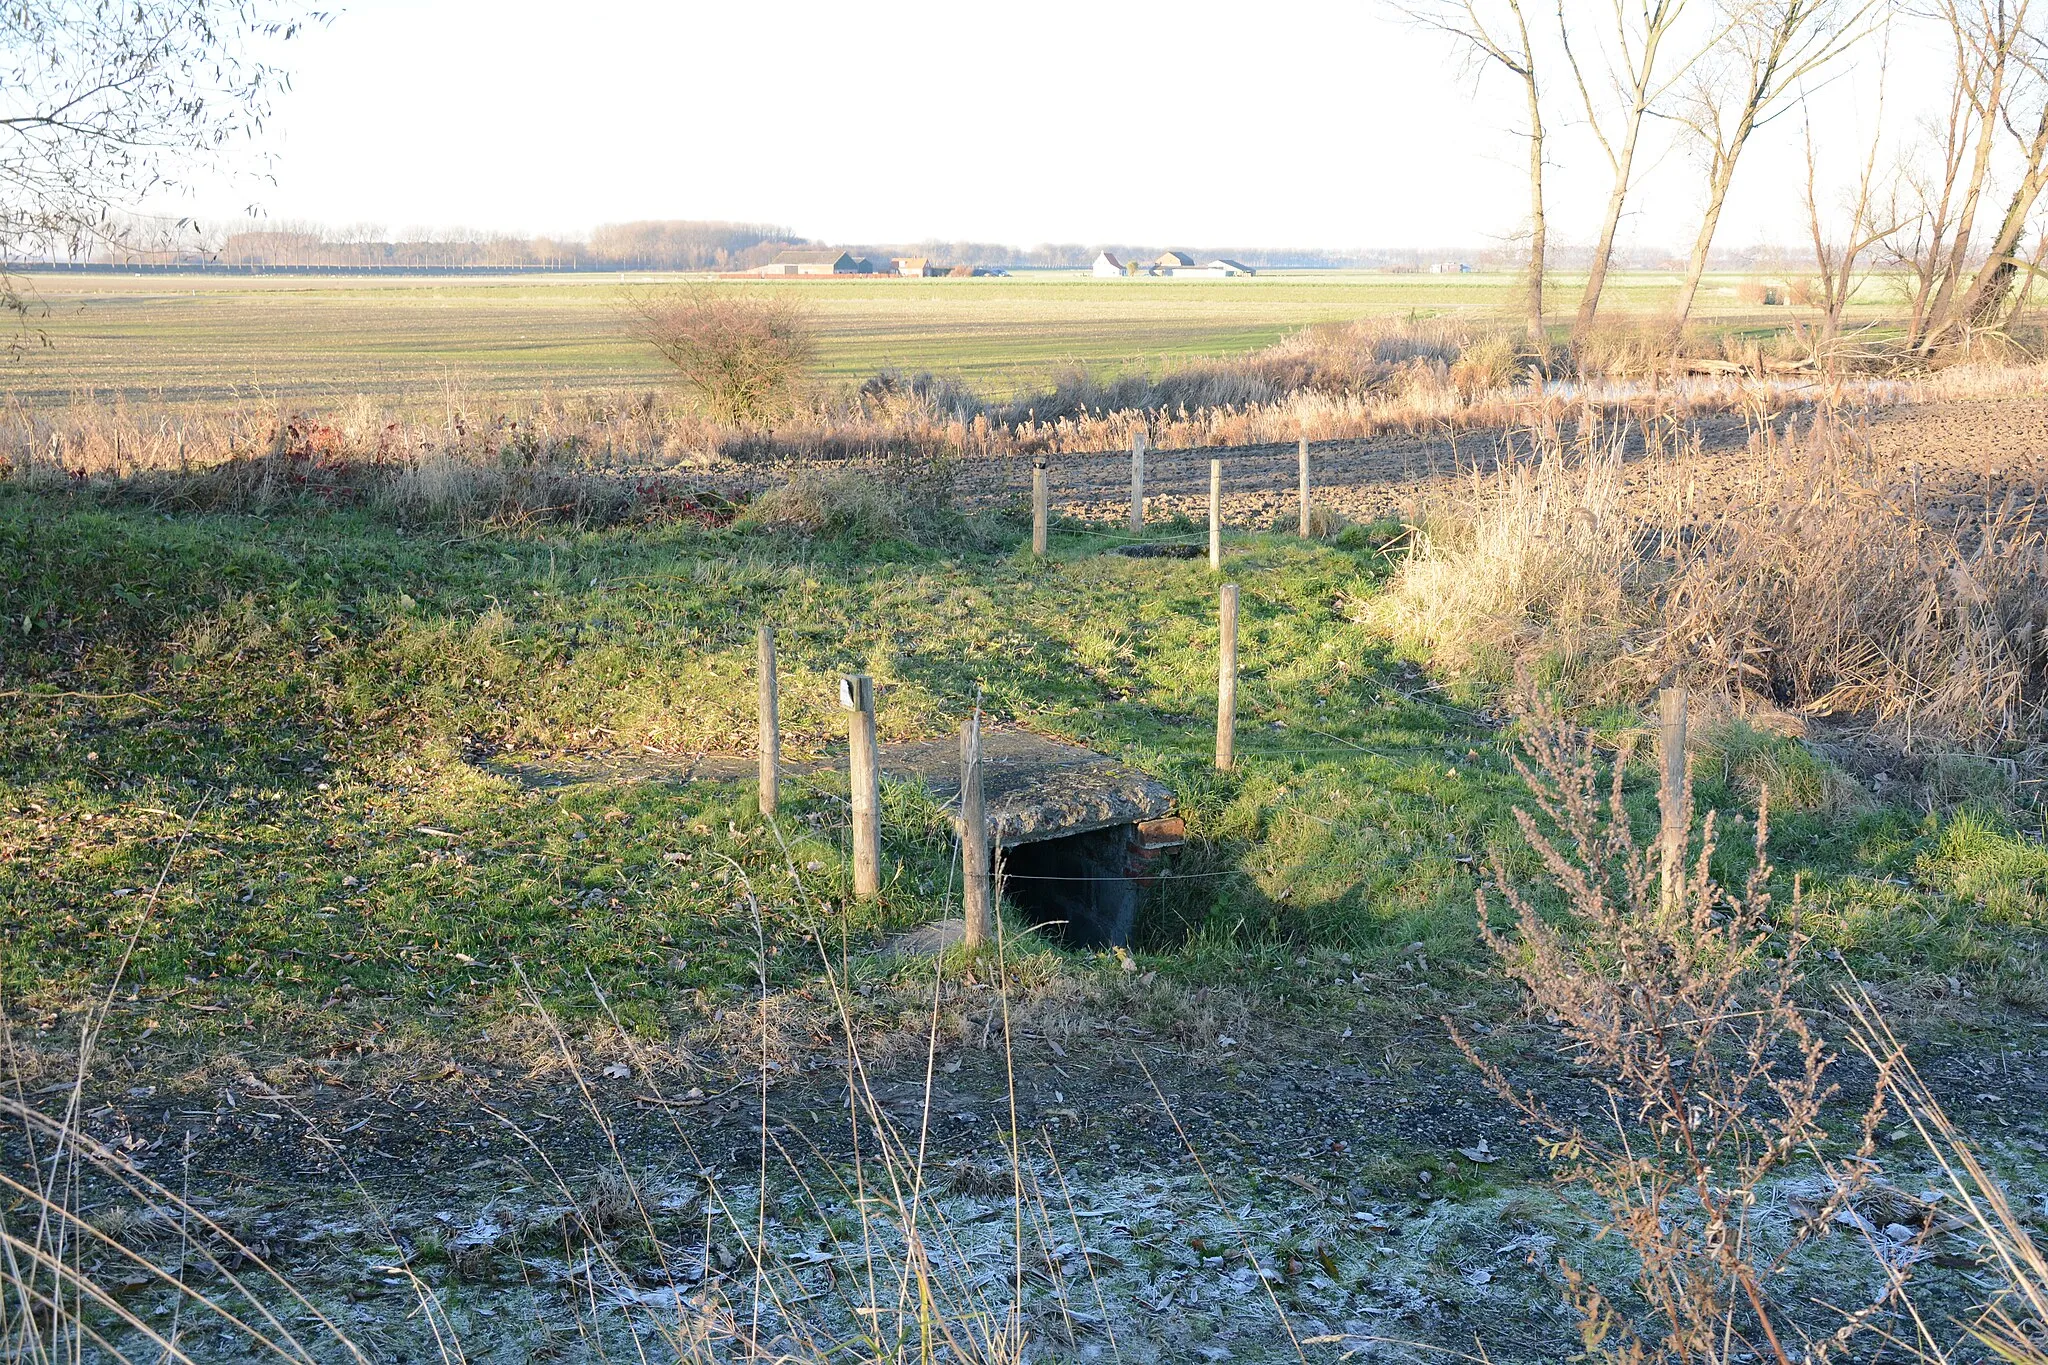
x=1994 y=280
x=1839 y=257
x=103 y=102
x=1635 y=37
x=1936 y=221
x=1496 y=32
x=1770 y=47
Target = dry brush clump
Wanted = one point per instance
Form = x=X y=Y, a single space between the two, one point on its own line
x=1677 y=997
x=746 y=356
x=1826 y=587
x=1543 y=562
x=1815 y=580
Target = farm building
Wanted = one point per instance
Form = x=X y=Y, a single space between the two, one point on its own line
x=811 y=261
x=1170 y=261
x=917 y=267
x=1108 y=267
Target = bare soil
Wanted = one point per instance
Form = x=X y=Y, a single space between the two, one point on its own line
x=1958 y=447
x=1351 y=1174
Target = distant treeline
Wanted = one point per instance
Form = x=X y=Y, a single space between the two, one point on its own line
x=614 y=246
x=686 y=245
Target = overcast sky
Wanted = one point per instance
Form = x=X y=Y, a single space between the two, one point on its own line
x=1290 y=122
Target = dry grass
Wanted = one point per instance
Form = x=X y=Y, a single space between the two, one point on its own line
x=1359 y=380
x=1825 y=586
x=1824 y=583
x=2013 y=1323
x=1543 y=562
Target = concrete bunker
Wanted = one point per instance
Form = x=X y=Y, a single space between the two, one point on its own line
x=1076 y=837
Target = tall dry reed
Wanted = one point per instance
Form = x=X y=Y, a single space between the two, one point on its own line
x=1809 y=576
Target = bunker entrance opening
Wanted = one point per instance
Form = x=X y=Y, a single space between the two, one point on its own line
x=1077 y=888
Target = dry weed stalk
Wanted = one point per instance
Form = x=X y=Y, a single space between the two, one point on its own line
x=1682 y=1011
x=2013 y=1325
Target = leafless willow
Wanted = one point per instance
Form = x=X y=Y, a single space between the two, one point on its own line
x=1647 y=49
x=1768 y=50
x=1496 y=33
x=1841 y=254
x=1997 y=97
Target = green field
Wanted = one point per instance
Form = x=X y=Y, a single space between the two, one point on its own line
x=408 y=340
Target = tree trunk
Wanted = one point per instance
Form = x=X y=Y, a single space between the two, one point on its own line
x=1603 y=250
x=1539 y=229
x=1994 y=281
x=1937 y=316
x=1696 y=264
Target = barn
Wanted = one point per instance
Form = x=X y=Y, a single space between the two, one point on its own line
x=811 y=261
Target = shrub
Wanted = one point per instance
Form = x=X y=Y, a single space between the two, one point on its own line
x=744 y=355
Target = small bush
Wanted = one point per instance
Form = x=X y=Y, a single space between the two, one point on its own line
x=745 y=355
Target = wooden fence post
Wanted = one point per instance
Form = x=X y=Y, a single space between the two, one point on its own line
x=1303 y=461
x=976 y=902
x=1137 y=483
x=1671 y=794
x=857 y=694
x=771 y=720
x=1038 y=508
x=1216 y=515
x=1226 y=679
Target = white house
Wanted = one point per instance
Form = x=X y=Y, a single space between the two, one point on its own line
x=1108 y=267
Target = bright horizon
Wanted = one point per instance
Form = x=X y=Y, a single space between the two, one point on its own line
x=1310 y=125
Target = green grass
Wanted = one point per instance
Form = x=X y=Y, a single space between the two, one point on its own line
x=410 y=341
x=304 y=690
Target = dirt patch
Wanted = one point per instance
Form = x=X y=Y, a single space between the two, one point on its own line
x=1354 y=1176
x=1958 y=447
